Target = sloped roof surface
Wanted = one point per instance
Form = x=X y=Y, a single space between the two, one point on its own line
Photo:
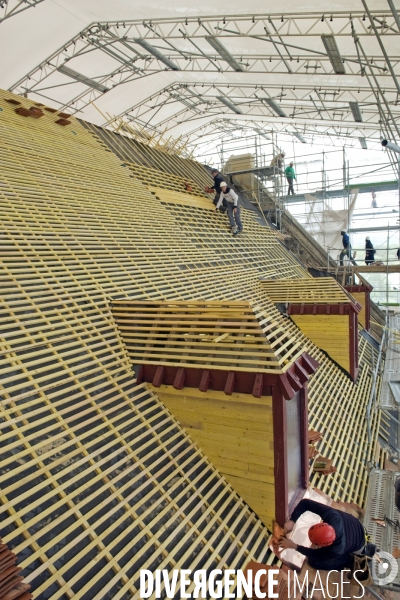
x=98 y=480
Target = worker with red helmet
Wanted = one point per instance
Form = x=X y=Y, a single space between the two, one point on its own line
x=333 y=541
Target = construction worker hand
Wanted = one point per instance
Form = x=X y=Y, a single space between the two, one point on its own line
x=285 y=543
x=288 y=526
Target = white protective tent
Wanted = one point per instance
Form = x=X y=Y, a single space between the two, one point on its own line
x=281 y=56
x=325 y=223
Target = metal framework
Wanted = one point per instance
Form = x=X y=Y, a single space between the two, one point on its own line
x=133 y=50
x=10 y=8
x=223 y=128
x=323 y=110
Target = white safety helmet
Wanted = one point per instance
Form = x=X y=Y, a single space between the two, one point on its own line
x=223 y=184
x=367 y=238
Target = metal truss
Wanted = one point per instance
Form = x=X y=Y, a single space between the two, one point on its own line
x=221 y=128
x=324 y=109
x=182 y=45
x=209 y=136
x=10 y=8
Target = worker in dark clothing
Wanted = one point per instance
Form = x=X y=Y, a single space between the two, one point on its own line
x=346 y=249
x=218 y=179
x=398 y=253
x=290 y=176
x=334 y=540
x=369 y=252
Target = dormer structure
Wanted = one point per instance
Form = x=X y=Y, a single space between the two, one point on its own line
x=237 y=382
x=325 y=312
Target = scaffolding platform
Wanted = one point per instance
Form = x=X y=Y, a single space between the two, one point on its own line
x=374 y=268
x=355 y=269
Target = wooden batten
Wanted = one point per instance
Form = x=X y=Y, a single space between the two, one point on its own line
x=362 y=294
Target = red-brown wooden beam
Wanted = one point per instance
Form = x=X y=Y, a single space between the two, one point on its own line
x=158 y=377
x=301 y=372
x=179 y=380
x=205 y=381
x=230 y=383
x=258 y=385
x=280 y=456
x=305 y=464
x=285 y=387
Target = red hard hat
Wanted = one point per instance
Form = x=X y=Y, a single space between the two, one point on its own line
x=322 y=534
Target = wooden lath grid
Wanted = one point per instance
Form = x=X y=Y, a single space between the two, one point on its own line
x=109 y=438
x=60 y=265
x=78 y=232
x=320 y=290
x=240 y=337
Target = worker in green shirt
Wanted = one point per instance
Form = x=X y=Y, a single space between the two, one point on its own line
x=290 y=176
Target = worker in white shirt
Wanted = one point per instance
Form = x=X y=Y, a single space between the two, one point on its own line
x=233 y=208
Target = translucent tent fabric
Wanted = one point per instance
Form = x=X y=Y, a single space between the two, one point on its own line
x=325 y=223
x=32 y=36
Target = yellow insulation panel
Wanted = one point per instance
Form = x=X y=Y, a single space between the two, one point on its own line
x=328 y=332
x=236 y=434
